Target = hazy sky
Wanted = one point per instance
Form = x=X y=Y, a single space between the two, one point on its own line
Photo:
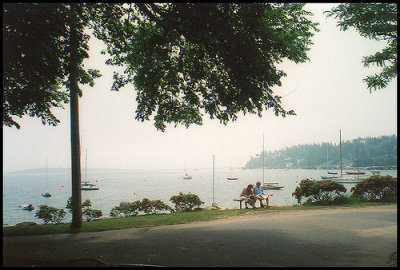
x=327 y=94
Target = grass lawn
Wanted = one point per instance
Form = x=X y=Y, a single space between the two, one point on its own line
x=161 y=219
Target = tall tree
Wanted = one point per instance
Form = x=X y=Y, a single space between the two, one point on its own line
x=185 y=60
x=374 y=21
x=43 y=47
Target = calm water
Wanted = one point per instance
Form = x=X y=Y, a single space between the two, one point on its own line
x=129 y=185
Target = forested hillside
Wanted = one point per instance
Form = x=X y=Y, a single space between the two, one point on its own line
x=371 y=152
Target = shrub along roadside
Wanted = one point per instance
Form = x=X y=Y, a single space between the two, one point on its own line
x=382 y=188
x=146 y=206
x=185 y=202
x=328 y=192
x=318 y=191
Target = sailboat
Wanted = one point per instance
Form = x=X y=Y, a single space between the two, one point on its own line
x=331 y=175
x=86 y=185
x=231 y=177
x=268 y=185
x=187 y=177
x=346 y=179
x=46 y=194
x=356 y=171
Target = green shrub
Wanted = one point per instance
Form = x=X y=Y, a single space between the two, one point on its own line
x=153 y=207
x=87 y=212
x=382 y=188
x=318 y=191
x=148 y=207
x=125 y=209
x=185 y=202
x=91 y=214
x=50 y=214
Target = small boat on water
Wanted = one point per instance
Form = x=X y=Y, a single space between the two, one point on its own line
x=268 y=185
x=89 y=187
x=86 y=185
x=187 y=177
x=358 y=172
x=232 y=177
x=329 y=177
x=271 y=186
x=28 y=207
x=46 y=194
x=340 y=178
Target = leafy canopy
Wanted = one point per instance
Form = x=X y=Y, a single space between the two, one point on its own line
x=37 y=59
x=187 y=60
x=374 y=21
x=184 y=59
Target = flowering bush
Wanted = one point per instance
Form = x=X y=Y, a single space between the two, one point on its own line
x=318 y=191
x=87 y=212
x=382 y=188
x=91 y=214
x=185 y=202
x=146 y=206
x=153 y=207
x=50 y=214
x=125 y=209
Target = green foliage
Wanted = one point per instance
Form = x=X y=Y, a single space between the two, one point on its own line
x=87 y=212
x=50 y=214
x=125 y=209
x=318 y=191
x=91 y=214
x=38 y=58
x=190 y=59
x=375 y=21
x=377 y=151
x=153 y=207
x=148 y=207
x=383 y=188
x=185 y=202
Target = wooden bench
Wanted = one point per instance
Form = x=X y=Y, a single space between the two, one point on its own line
x=241 y=199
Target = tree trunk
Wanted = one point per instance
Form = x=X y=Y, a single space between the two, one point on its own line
x=76 y=199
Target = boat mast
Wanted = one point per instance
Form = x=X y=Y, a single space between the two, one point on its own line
x=263 y=159
x=86 y=167
x=327 y=156
x=213 y=175
x=357 y=170
x=47 y=170
x=340 y=145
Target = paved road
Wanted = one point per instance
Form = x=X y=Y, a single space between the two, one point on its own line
x=313 y=238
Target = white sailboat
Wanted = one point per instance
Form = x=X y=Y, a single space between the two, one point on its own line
x=331 y=175
x=341 y=178
x=268 y=185
x=232 y=177
x=86 y=185
x=187 y=176
x=357 y=170
x=46 y=194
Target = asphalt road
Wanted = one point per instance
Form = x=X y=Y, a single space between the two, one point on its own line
x=312 y=238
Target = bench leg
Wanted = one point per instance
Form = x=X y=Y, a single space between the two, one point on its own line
x=240 y=204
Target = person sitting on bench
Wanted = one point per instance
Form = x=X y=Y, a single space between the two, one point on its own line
x=248 y=196
x=258 y=193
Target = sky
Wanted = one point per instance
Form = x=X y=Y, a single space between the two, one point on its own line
x=327 y=94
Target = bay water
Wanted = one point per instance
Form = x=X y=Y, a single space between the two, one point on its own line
x=26 y=187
